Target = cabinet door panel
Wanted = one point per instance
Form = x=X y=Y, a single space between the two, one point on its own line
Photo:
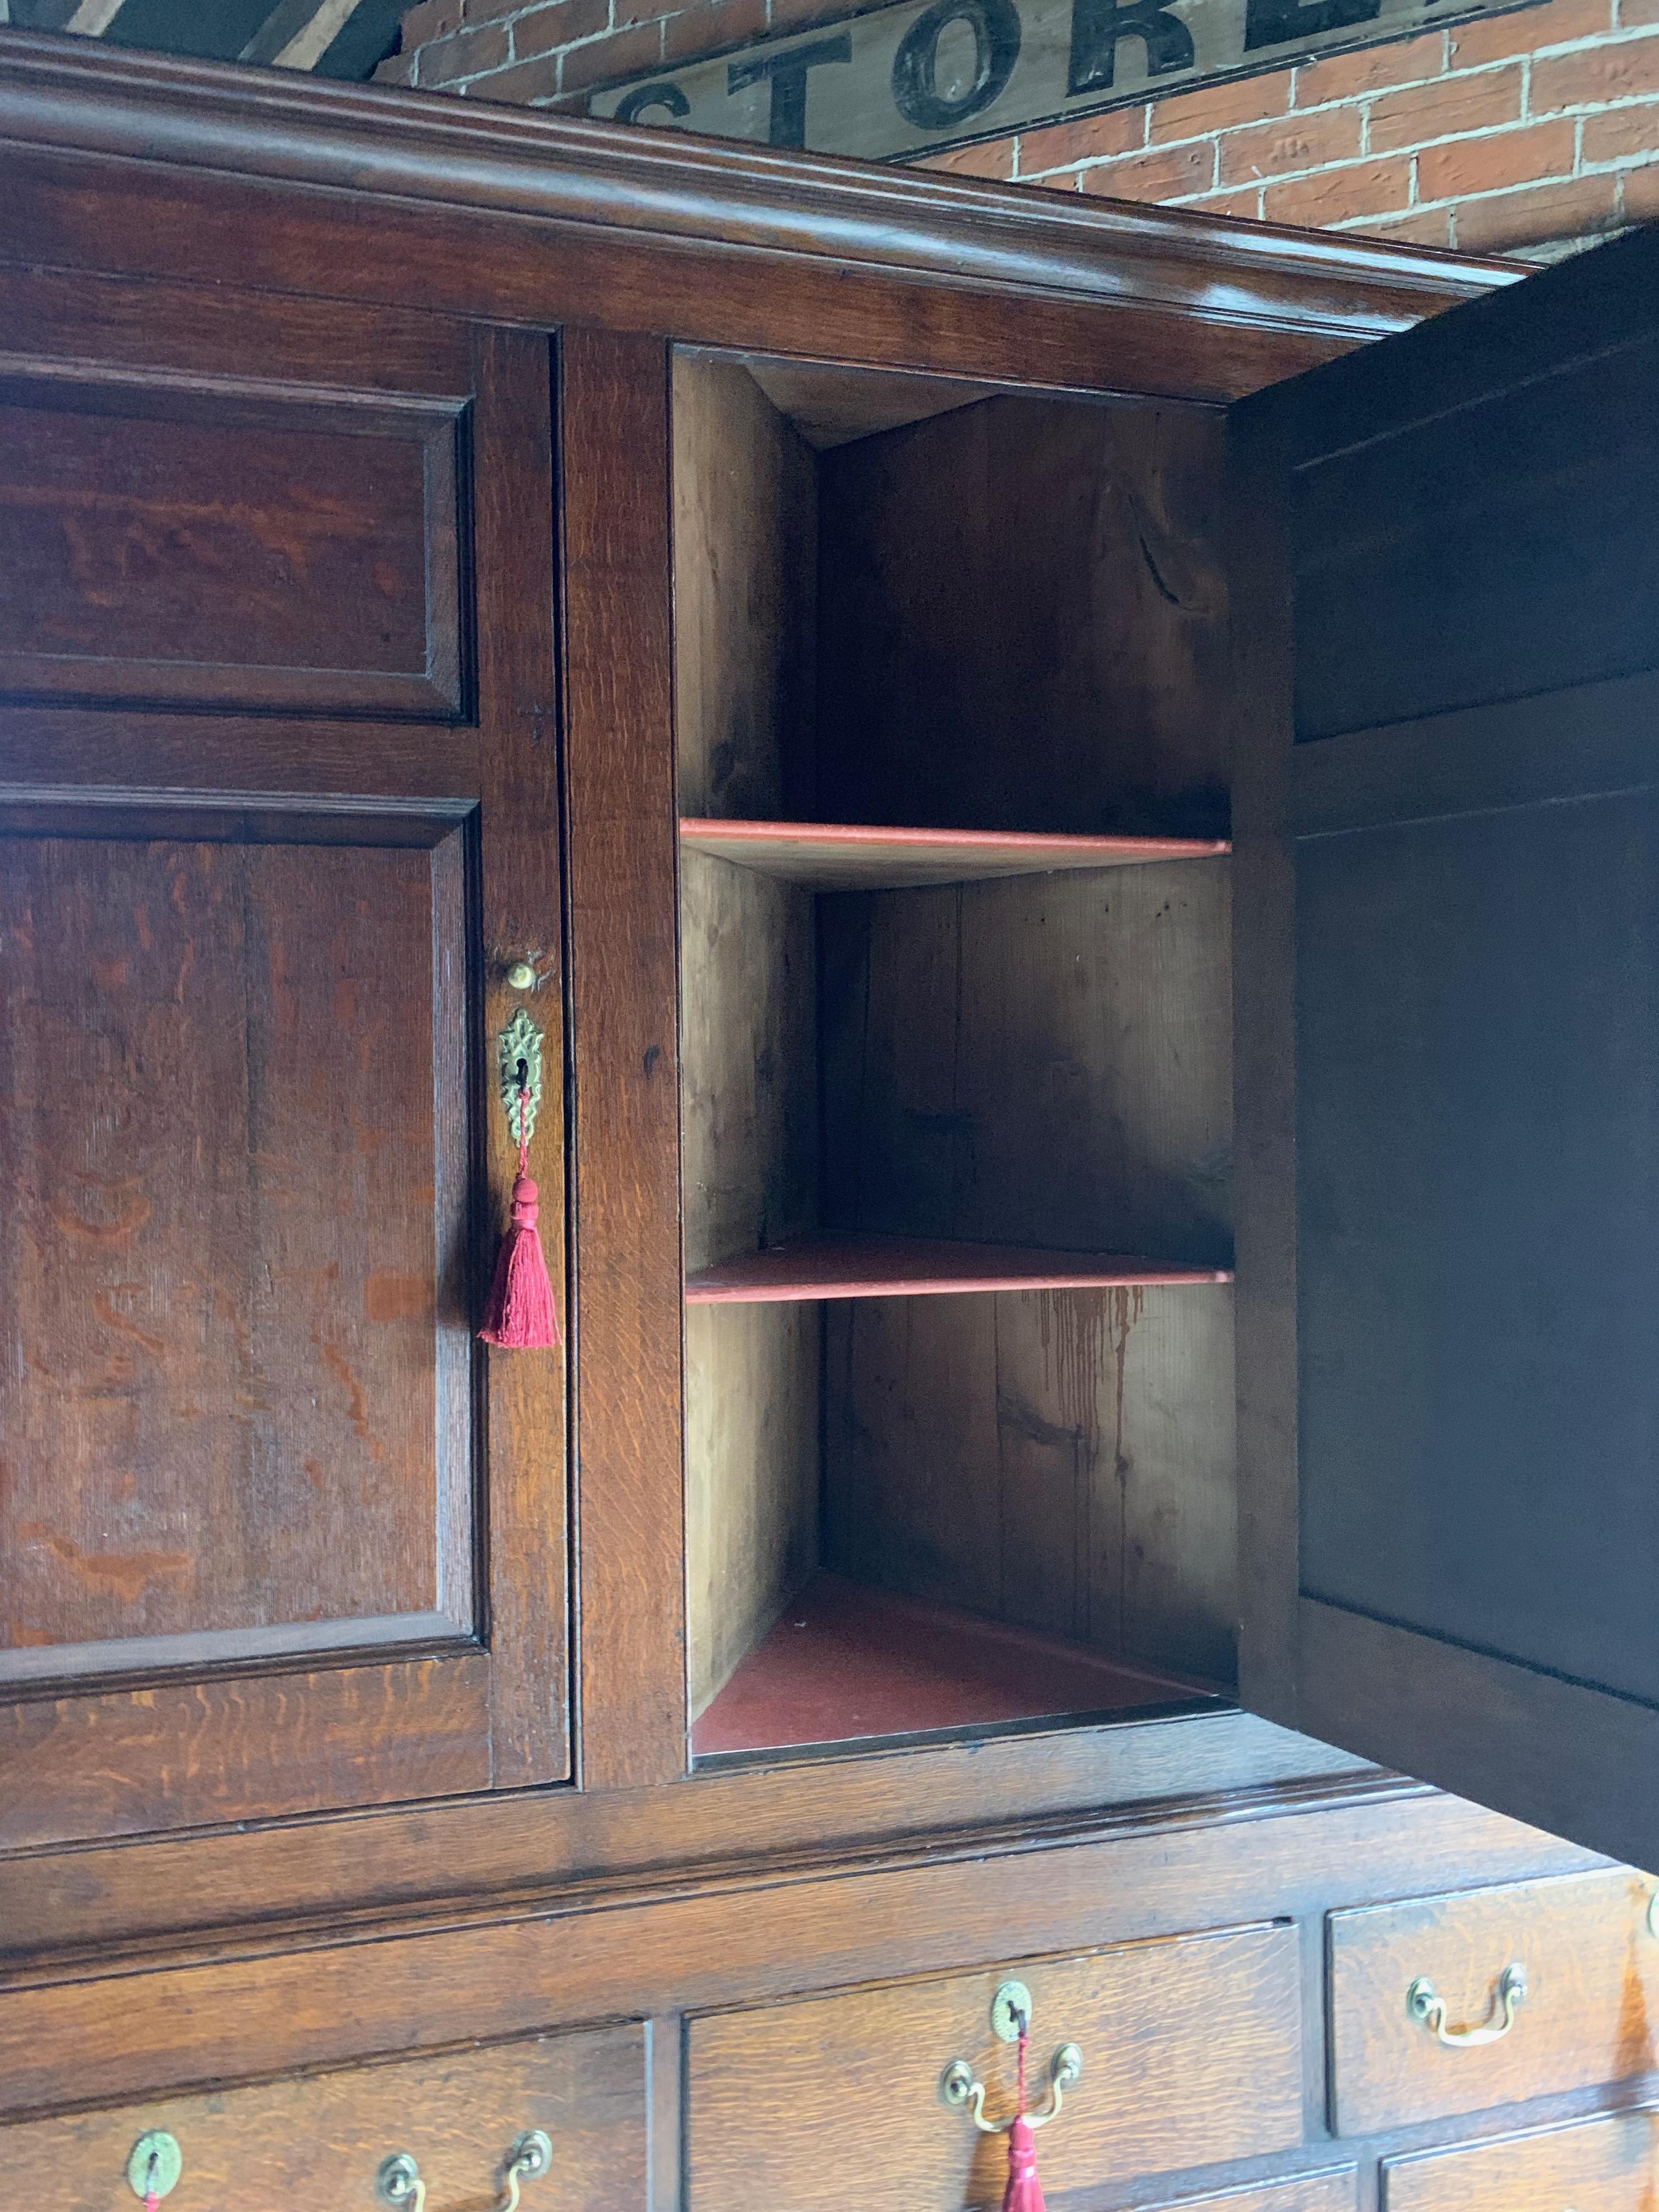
x=276 y=1537
x=1448 y=1106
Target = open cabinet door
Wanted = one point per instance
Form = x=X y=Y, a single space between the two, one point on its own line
x=1447 y=1016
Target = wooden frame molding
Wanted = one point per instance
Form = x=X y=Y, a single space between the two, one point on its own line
x=740 y=198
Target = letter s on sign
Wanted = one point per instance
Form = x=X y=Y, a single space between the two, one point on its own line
x=995 y=27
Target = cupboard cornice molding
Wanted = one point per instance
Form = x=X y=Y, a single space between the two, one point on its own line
x=739 y=199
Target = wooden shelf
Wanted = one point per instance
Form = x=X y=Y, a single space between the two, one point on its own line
x=829 y=856
x=846 y=1662
x=914 y=1267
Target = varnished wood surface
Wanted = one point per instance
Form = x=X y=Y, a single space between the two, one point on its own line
x=331 y=582
x=300 y=982
x=201 y=1334
x=622 y=815
x=1607 y=2164
x=1191 y=2056
x=319 y=2141
x=1592 y=1967
x=919 y=1267
x=398 y=146
x=288 y=1882
x=605 y=1950
x=829 y=856
x=845 y=1662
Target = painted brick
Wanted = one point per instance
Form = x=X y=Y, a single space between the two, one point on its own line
x=1627 y=134
x=1529 y=218
x=469 y=53
x=1502 y=38
x=1431 y=228
x=1623 y=70
x=1197 y=114
x=1465 y=166
x=545 y=29
x=1092 y=137
x=1279 y=150
x=1454 y=105
x=524 y=84
x=1245 y=206
x=807 y=15
x=1376 y=69
x=606 y=61
x=1170 y=173
x=432 y=19
x=703 y=30
x=1362 y=188
x=993 y=157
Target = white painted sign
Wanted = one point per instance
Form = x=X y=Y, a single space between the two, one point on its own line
x=927 y=74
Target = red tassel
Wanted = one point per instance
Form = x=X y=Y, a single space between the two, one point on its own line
x=1024 y=2193
x=1024 y=2190
x=519 y=1313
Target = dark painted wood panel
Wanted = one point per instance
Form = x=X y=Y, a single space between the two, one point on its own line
x=1478 y=1180
x=1433 y=570
x=165 y=543
x=321 y=2139
x=1573 y=1759
x=225 y=1340
x=624 y=904
x=1191 y=2053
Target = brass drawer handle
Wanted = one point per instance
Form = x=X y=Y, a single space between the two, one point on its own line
x=959 y=2087
x=399 y=2181
x=1425 y=2003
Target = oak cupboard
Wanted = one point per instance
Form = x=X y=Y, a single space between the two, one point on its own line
x=934 y=706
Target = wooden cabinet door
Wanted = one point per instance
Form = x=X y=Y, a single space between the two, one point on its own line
x=1448 y=1015
x=278 y=811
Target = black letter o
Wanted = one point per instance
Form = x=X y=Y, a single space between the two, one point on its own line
x=995 y=27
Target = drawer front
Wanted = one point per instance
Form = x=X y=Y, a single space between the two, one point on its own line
x=1591 y=1966
x=1334 y=2191
x=318 y=2143
x=1191 y=2055
x=1600 y=2166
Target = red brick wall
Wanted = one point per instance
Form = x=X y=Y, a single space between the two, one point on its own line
x=1510 y=134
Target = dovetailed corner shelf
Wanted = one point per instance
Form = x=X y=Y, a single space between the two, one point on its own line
x=917 y=1267
x=829 y=856
x=846 y=1662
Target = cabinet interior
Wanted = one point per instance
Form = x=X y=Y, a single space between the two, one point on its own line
x=956 y=1055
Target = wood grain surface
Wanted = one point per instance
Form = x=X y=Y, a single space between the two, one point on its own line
x=1604 y=2164
x=1190 y=2054
x=321 y=2140
x=1592 y=1967
x=1061 y=1461
x=619 y=709
x=237 y=548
